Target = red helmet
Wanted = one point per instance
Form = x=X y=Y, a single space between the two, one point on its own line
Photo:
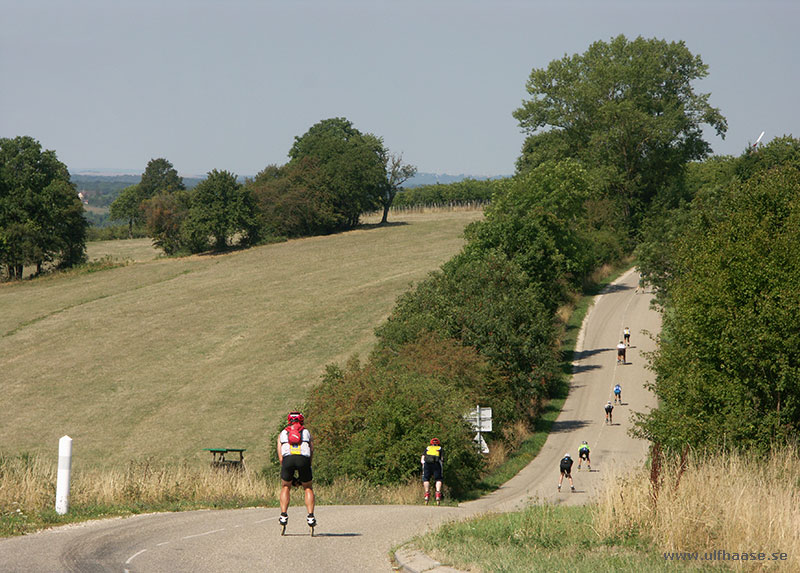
x=295 y=417
x=436 y=442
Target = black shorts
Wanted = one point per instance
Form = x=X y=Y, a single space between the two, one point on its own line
x=432 y=470
x=583 y=455
x=296 y=463
x=566 y=472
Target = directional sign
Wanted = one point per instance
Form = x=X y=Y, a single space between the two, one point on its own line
x=480 y=418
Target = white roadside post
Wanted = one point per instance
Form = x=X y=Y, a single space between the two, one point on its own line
x=64 y=469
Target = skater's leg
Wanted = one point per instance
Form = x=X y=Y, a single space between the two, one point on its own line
x=284 y=496
x=309 y=497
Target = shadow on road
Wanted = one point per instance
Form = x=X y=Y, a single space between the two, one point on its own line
x=584 y=368
x=587 y=353
x=616 y=288
x=337 y=535
x=569 y=425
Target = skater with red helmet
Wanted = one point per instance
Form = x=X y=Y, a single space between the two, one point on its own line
x=432 y=468
x=295 y=449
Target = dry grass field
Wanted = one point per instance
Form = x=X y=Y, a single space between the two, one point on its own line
x=162 y=358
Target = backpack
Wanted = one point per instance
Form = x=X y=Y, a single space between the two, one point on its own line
x=617 y=389
x=566 y=463
x=433 y=454
x=295 y=433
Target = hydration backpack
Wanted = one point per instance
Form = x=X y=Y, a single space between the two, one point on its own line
x=295 y=433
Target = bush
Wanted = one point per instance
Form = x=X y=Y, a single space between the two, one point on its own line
x=489 y=304
x=373 y=422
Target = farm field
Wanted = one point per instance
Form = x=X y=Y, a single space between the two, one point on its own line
x=165 y=357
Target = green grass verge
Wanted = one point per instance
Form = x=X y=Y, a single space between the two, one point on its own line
x=544 y=538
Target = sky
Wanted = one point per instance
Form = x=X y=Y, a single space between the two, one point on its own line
x=229 y=84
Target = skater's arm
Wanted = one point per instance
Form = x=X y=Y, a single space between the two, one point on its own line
x=280 y=454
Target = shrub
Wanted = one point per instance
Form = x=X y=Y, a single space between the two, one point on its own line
x=373 y=422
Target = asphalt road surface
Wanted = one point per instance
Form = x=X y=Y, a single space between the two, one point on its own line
x=359 y=538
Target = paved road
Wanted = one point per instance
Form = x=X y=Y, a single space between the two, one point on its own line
x=359 y=538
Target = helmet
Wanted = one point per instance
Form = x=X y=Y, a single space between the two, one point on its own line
x=609 y=401
x=584 y=443
x=567 y=455
x=436 y=442
x=295 y=417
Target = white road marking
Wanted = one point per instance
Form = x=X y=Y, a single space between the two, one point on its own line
x=134 y=556
x=202 y=534
x=163 y=543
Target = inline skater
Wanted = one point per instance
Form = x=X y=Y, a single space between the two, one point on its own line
x=295 y=450
x=583 y=454
x=617 y=393
x=621 y=352
x=565 y=467
x=432 y=467
x=626 y=334
x=609 y=408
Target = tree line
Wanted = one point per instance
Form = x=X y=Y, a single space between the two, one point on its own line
x=723 y=254
x=334 y=175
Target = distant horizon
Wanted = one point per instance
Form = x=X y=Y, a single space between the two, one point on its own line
x=113 y=172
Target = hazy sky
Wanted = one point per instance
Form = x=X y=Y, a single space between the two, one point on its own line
x=228 y=84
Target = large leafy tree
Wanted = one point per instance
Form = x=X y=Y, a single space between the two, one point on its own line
x=159 y=177
x=127 y=207
x=292 y=200
x=219 y=209
x=627 y=110
x=351 y=162
x=41 y=217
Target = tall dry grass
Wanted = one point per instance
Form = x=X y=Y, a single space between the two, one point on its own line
x=27 y=484
x=703 y=502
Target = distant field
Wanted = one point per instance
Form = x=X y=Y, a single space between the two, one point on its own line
x=132 y=250
x=168 y=356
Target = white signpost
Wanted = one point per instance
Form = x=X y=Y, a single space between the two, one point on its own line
x=481 y=420
x=64 y=469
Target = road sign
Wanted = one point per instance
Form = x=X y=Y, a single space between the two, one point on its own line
x=480 y=418
x=484 y=448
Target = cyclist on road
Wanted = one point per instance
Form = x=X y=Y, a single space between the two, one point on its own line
x=583 y=454
x=617 y=393
x=621 y=352
x=295 y=449
x=609 y=408
x=432 y=467
x=565 y=467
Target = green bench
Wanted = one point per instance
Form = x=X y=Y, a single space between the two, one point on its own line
x=220 y=461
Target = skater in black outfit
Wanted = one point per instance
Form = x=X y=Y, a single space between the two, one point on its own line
x=565 y=466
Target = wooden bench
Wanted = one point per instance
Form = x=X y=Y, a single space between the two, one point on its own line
x=221 y=462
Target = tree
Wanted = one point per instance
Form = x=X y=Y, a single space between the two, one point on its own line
x=536 y=220
x=292 y=200
x=164 y=216
x=397 y=173
x=41 y=216
x=627 y=111
x=351 y=162
x=728 y=363
x=159 y=177
x=128 y=207
x=218 y=209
